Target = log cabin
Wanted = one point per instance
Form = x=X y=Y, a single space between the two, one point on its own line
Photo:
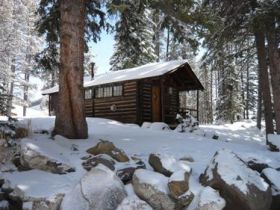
x=148 y=93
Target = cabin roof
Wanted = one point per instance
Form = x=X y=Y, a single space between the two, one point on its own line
x=141 y=72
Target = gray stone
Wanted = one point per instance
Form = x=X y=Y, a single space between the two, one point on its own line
x=33 y=159
x=152 y=188
x=52 y=203
x=100 y=189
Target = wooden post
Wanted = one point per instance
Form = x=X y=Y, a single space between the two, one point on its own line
x=162 y=99
x=197 y=104
x=49 y=106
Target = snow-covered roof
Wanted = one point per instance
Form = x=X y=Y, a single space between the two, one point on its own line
x=141 y=72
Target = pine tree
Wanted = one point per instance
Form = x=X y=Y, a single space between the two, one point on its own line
x=134 y=38
x=71 y=24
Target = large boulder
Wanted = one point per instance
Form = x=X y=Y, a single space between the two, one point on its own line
x=107 y=147
x=31 y=157
x=208 y=199
x=100 y=188
x=240 y=186
x=166 y=164
x=152 y=188
x=272 y=177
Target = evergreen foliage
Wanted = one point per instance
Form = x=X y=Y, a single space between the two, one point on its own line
x=134 y=37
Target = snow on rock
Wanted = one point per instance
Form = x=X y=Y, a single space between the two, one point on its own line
x=32 y=156
x=132 y=201
x=207 y=199
x=274 y=141
x=166 y=164
x=272 y=177
x=51 y=203
x=100 y=188
x=159 y=126
x=242 y=187
x=146 y=125
x=152 y=188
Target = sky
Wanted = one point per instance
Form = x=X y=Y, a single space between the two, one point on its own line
x=102 y=51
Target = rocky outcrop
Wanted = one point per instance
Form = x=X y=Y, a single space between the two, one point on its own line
x=100 y=188
x=240 y=186
x=107 y=147
x=31 y=158
x=152 y=188
x=208 y=199
x=157 y=163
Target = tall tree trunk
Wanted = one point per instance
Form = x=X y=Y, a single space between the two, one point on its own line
x=25 y=87
x=167 y=43
x=157 y=28
x=264 y=81
x=25 y=92
x=70 y=118
x=247 y=90
x=274 y=64
x=11 y=89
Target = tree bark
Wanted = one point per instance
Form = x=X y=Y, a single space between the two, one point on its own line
x=274 y=64
x=264 y=81
x=70 y=118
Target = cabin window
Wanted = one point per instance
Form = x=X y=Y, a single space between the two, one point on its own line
x=108 y=91
x=99 y=92
x=117 y=90
x=88 y=94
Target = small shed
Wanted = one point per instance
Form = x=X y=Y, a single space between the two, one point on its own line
x=148 y=93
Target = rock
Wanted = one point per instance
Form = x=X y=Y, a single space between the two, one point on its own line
x=178 y=183
x=272 y=177
x=126 y=171
x=133 y=203
x=6 y=187
x=166 y=165
x=31 y=158
x=155 y=160
x=52 y=203
x=240 y=186
x=21 y=133
x=99 y=159
x=187 y=158
x=2 y=195
x=208 y=199
x=184 y=200
x=152 y=188
x=4 y=205
x=215 y=137
x=107 y=147
x=256 y=165
x=100 y=188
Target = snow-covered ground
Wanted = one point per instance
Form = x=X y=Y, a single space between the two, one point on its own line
x=242 y=138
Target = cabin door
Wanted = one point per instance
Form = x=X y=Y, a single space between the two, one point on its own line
x=156 y=112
